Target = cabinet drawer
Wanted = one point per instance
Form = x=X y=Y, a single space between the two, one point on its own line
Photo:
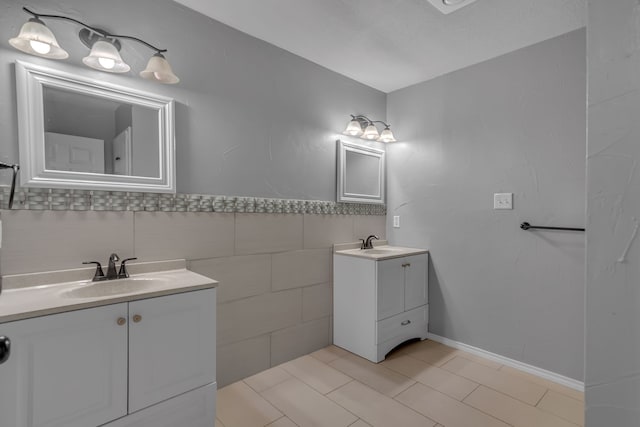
x=412 y=323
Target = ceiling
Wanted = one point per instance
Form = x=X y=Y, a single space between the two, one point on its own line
x=391 y=44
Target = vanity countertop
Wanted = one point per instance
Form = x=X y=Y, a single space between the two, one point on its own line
x=381 y=252
x=45 y=299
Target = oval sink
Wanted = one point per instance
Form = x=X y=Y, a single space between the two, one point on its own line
x=114 y=287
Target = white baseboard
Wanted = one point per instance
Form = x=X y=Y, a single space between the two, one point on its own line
x=543 y=373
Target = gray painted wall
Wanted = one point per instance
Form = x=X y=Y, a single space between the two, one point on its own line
x=613 y=209
x=251 y=119
x=512 y=124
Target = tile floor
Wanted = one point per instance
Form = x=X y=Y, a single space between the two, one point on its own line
x=422 y=384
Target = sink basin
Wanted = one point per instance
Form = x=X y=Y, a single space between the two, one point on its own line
x=114 y=287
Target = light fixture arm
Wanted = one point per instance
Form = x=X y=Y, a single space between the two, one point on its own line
x=364 y=120
x=93 y=29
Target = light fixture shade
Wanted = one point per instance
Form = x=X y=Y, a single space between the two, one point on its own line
x=371 y=132
x=159 y=70
x=386 y=136
x=353 y=128
x=36 y=39
x=104 y=56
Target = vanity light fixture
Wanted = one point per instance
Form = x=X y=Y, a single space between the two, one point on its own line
x=35 y=38
x=370 y=132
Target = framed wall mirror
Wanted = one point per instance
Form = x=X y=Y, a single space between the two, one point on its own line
x=76 y=132
x=361 y=174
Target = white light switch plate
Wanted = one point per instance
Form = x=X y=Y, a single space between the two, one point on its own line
x=503 y=201
x=396 y=221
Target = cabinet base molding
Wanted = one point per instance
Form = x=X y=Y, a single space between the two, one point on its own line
x=531 y=369
x=196 y=408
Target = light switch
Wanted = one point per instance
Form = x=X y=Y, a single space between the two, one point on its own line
x=503 y=201
x=396 y=221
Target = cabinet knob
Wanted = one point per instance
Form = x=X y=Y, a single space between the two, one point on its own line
x=121 y=321
x=405 y=323
x=5 y=349
x=137 y=318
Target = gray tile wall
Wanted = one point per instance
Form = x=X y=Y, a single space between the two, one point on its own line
x=275 y=270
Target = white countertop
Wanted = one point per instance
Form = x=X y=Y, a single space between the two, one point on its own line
x=33 y=301
x=382 y=252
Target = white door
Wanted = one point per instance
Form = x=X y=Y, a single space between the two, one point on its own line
x=390 y=280
x=122 y=153
x=415 y=281
x=73 y=153
x=172 y=346
x=65 y=370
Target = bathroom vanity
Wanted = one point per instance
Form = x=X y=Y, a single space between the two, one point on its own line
x=380 y=298
x=79 y=358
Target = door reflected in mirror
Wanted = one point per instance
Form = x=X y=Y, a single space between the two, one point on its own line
x=98 y=135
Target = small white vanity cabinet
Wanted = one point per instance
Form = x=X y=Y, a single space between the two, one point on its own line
x=380 y=299
x=89 y=367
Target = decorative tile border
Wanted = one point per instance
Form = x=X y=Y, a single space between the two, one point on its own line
x=94 y=200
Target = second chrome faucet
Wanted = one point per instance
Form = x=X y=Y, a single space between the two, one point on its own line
x=112 y=274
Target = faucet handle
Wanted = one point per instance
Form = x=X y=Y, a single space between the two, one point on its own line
x=123 y=273
x=363 y=245
x=99 y=274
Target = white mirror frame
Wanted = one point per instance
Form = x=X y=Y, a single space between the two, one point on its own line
x=343 y=195
x=30 y=82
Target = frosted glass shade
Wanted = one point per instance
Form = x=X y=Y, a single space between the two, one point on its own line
x=36 y=39
x=386 y=136
x=353 y=128
x=104 y=56
x=159 y=70
x=371 y=132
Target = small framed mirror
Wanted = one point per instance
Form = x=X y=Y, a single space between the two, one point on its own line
x=361 y=174
x=76 y=132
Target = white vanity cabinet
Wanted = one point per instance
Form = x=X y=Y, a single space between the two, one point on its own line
x=89 y=367
x=379 y=302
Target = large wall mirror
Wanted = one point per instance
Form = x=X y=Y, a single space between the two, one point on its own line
x=361 y=174
x=80 y=133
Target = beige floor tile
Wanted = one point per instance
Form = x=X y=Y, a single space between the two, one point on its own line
x=512 y=410
x=360 y=423
x=437 y=378
x=444 y=409
x=267 y=379
x=563 y=406
x=239 y=406
x=329 y=354
x=511 y=385
x=306 y=407
x=376 y=376
x=375 y=408
x=219 y=423
x=478 y=359
x=316 y=374
x=283 y=422
x=430 y=352
x=574 y=394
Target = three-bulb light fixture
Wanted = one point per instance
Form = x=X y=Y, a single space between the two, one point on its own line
x=35 y=38
x=365 y=128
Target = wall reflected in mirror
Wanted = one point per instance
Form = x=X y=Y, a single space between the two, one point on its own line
x=99 y=135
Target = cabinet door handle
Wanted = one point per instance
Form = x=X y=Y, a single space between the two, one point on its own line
x=5 y=349
x=406 y=265
x=405 y=323
x=137 y=318
x=121 y=321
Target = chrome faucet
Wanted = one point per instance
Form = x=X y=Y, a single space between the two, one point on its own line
x=368 y=243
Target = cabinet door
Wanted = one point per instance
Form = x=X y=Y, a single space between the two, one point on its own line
x=415 y=281
x=390 y=281
x=65 y=370
x=172 y=346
